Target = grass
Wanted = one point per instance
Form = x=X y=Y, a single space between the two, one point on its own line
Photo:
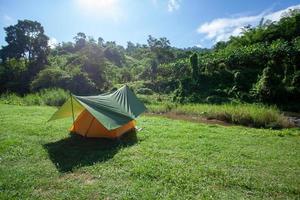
x=170 y=159
x=254 y=115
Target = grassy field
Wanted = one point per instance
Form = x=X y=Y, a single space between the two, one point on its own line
x=170 y=159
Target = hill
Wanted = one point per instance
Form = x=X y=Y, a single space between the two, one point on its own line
x=260 y=65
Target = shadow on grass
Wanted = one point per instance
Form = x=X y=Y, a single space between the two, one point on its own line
x=77 y=151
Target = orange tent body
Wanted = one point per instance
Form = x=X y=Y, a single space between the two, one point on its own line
x=88 y=126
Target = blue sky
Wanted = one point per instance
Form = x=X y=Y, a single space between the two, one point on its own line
x=184 y=22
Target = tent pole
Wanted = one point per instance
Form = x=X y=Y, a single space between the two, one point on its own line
x=72 y=111
x=87 y=131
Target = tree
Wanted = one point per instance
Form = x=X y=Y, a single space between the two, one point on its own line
x=26 y=43
x=296 y=80
x=12 y=76
x=65 y=48
x=81 y=84
x=268 y=87
x=114 y=53
x=161 y=49
x=100 y=41
x=27 y=40
x=194 y=65
x=130 y=47
x=153 y=69
x=220 y=45
x=124 y=75
x=51 y=77
x=91 y=61
x=80 y=40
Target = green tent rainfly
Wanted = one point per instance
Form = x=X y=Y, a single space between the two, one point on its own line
x=111 y=109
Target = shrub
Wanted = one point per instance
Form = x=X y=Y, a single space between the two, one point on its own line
x=144 y=99
x=81 y=84
x=11 y=98
x=268 y=86
x=50 y=97
x=49 y=78
x=145 y=91
x=54 y=97
x=216 y=99
x=14 y=76
x=76 y=81
x=33 y=99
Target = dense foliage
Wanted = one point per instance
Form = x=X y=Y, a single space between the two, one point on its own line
x=260 y=65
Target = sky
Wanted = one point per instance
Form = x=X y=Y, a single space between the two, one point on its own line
x=185 y=23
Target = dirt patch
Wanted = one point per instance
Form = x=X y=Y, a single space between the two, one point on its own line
x=191 y=118
x=84 y=178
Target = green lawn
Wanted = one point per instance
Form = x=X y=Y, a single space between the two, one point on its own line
x=170 y=160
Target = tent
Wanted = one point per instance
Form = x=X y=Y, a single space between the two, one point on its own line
x=106 y=115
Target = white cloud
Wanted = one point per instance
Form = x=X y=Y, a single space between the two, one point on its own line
x=52 y=42
x=173 y=5
x=222 y=28
x=275 y=16
x=107 y=9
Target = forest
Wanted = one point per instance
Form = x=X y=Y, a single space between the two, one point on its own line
x=261 y=65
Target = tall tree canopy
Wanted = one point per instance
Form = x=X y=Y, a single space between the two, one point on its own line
x=26 y=44
x=161 y=49
x=26 y=40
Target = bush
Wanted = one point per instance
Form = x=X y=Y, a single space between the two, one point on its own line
x=50 y=97
x=33 y=99
x=49 y=78
x=145 y=91
x=14 y=76
x=54 y=97
x=76 y=81
x=81 y=84
x=11 y=98
x=268 y=87
x=216 y=99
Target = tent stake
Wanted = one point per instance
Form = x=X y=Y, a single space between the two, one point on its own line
x=72 y=111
